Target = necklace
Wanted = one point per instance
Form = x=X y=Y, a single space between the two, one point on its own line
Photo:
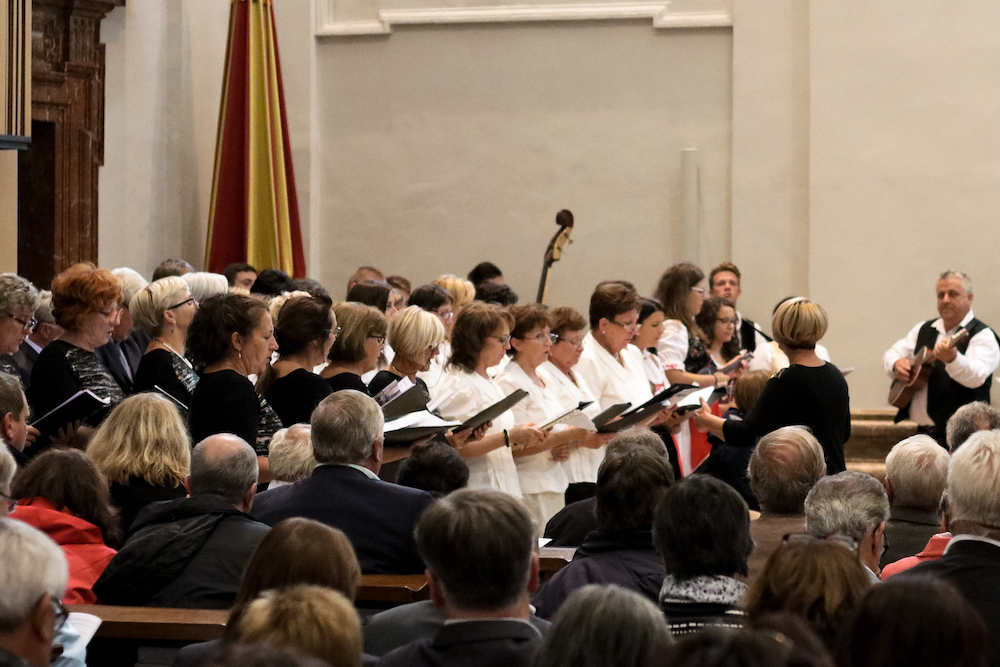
x=183 y=358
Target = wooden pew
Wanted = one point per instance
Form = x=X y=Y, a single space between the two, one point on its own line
x=155 y=623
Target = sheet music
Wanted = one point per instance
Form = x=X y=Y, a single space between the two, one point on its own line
x=85 y=624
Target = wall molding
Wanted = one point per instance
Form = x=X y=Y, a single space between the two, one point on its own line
x=659 y=12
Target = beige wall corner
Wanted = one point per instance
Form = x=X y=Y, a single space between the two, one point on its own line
x=8 y=210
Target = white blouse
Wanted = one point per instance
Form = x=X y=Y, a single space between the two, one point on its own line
x=434 y=376
x=538 y=473
x=673 y=345
x=583 y=462
x=471 y=393
x=612 y=382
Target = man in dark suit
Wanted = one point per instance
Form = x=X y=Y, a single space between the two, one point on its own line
x=122 y=354
x=345 y=492
x=482 y=566
x=971 y=562
x=784 y=467
x=916 y=471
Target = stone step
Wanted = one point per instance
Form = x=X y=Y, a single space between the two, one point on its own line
x=873 y=434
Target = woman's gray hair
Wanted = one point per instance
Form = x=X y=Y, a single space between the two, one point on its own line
x=344 y=427
x=204 y=285
x=971 y=417
x=16 y=292
x=44 y=311
x=604 y=625
x=290 y=454
x=974 y=480
x=849 y=503
x=33 y=566
x=131 y=282
x=784 y=466
x=637 y=437
x=917 y=467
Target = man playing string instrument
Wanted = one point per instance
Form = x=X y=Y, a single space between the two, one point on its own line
x=960 y=374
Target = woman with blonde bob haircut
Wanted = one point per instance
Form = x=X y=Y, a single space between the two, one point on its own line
x=358 y=347
x=144 y=450
x=811 y=392
x=462 y=292
x=164 y=309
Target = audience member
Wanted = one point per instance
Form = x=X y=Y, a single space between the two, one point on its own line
x=916 y=472
x=784 y=467
x=8 y=466
x=262 y=655
x=121 y=354
x=191 y=552
x=165 y=310
x=313 y=620
x=819 y=580
x=14 y=421
x=934 y=548
x=305 y=330
x=291 y=455
x=749 y=647
x=620 y=551
x=345 y=492
x=702 y=529
x=204 y=286
x=485 y=272
x=971 y=563
x=63 y=494
x=498 y=293
x=364 y=273
x=434 y=467
x=46 y=330
x=33 y=579
x=144 y=451
x=918 y=623
x=479 y=547
x=171 y=267
x=968 y=419
x=240 y=274
x=604 y=626
x=232 y=337
x=272 y=282
x=853 y=505
x=357 y=348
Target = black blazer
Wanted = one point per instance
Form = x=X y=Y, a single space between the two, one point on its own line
x=492 y=643
x=133 y=347
x=378 y=517
x=24 y=360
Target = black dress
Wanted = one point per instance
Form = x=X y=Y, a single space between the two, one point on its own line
x=295 y=396
x=172 y=374
x=343 y=381
x=383 y=379
x=816 y=397
x=226 y=402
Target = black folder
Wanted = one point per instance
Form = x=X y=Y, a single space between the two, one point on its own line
x=492 y=412
x=77 y=407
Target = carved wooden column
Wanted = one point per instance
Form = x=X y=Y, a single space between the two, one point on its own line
x=57 y=211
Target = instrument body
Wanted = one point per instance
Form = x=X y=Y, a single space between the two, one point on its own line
x=553 y=253
x=901 y=393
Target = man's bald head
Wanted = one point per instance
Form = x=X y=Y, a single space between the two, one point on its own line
x=223 y=465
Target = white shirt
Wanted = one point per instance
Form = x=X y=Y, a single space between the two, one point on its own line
x=471 y=393
x=969 y=370
x=583 y=462
x=673 y=345
x=434 y=376
x=762 y=351
x=538 y=473
x=655 y=373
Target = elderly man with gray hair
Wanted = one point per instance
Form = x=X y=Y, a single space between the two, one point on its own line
x=968 y=419
x=784 y=467
x=916 y=472
x=852 y=505
x=971 y=561
x=190 y=552
x=345 y=492
x=290 y=455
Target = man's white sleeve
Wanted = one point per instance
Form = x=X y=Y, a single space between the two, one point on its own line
x=902 y=349
x=979 y=361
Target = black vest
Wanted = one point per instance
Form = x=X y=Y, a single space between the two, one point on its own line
x=748 y=341
x=944 y=395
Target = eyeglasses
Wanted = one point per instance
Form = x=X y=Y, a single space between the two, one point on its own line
x=335 y=331
x=542 y=336
x=112 y=314
x=503 y=339
x=699 y=290
x=61 y=613
x=11 y=503
x=726 y=320
x=572 y=343
x=630 y=325
x=26 y=325
x=450 y=315
x=380 y=339
x=184 y=303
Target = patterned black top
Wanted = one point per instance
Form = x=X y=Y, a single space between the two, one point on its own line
x=268 y=424
x=62 y=370
x=164 y=369
x=226 y=402
x=698 y=356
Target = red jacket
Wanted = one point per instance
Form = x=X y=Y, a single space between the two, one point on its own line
x=934 y=550
x=81 y=542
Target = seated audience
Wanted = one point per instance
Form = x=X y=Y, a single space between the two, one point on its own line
x=295 y=551
x=748 y=647
x=191 y=552
x=33 y=579
x=498 y=293
x=46 y=330
x=8 y=466
x=271 y=282
x=305 y=330
x=262 y=655
x=240 y=274
x=784 y=467
x=479 y=547
x=63 y=494
x=85 y=303
x=916 y=472
x=232 y=338
x=480 y=340
x=485 y=272
x=204 y=286
x=934 y=548
x=121 y=355
x=357 y=348
x=819 y=580
x=144 y=451
x=621 y=550
x=165 y=309
x=18 y=302
x=919 y=623
x=968 y=419
x=433 y=467
x=14 y=421
x=852 y=505
x=291 y=455
x=345 y=492
x=364 y=273
x=171 y=267
x=971 y=562
x=702 y=529
x=604 y=626
x=313 y=620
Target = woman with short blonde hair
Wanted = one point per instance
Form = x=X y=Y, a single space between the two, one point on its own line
x=144 y=450
x=358 y=346
x=164 y=309
x=462 y=292
x=799 y=323
x=416 y=336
